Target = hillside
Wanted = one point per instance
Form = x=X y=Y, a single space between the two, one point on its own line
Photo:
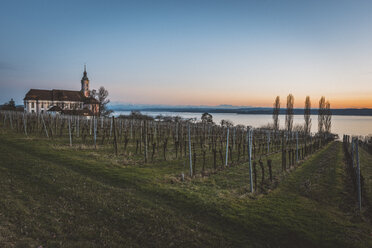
x=55 y=196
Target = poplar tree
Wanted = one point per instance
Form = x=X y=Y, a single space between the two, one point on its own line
x=276 y=111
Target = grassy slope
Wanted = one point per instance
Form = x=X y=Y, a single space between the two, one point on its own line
x=366 y=171
x=53 y=196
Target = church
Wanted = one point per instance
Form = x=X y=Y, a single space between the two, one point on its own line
x=62 y=101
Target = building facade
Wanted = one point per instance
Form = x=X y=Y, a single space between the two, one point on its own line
x=62 y=101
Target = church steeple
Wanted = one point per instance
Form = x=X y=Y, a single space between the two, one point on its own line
x=85 y=83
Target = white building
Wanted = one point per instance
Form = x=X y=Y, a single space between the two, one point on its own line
x=63 y=101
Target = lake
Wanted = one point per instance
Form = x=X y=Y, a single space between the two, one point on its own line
x=341 y=124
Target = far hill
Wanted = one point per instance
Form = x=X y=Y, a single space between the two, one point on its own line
x=232 y=109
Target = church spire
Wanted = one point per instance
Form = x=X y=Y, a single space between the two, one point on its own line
x=85 y=82
x=85 y=70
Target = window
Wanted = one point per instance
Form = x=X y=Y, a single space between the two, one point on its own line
x=42 y=105
x=32 y=105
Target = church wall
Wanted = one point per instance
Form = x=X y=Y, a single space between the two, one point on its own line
x=34 y=106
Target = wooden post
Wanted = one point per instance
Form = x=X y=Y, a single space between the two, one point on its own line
x=4 y=119
x=95 y=132
x=190 y=155
x=77 y=126
x=69 y=129
x=131 y=129
x=352 y=151
x=25 y=123
x=255 y=175
x=358 y=174
x=270 y=169
x=91 y=125
x=283 y=154
x=227 y=147
x=111 y=127
x=145 y=133
x=296 y=147
x=10 y=119
x=250 y=135
x=233 y=140
x=115 y=142
x=46 y=131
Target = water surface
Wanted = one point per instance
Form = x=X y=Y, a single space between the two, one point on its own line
x=341 y=124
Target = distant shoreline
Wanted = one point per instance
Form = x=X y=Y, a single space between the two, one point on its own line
x=250 y=111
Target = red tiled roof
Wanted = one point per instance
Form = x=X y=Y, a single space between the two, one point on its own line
x=34 y=94
x=55 y=95
x=67 y=95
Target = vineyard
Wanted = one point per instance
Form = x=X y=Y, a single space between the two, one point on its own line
x=357 y=156
x=69 y=181
x=199 y=149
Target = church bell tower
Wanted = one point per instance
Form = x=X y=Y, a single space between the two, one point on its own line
x=85 y=83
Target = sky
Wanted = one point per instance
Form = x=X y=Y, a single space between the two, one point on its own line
x=191 y=52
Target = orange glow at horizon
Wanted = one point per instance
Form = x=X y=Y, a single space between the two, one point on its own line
x=190 y=97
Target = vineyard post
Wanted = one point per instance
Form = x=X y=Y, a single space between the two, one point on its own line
x=358 y=174
x=115 y=142
x=95 y=131
x=268 y=141
x=247 y=142
x=233 y=139
x=24 y=123
x=111 y=126
x=155 y=136
x=227 y=146
x=46 y=131
x=11 y=121
x=69 y=129
x=131 y=129
x=296 y=147
x=77 y=126
x=250 y=134
x=190 y=151
x=352 y=151
x=90 y=127
x=4 y=119
x=177 y=131
x=145 y=131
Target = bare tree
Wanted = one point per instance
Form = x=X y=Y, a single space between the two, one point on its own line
x=289 y=113
x=101 y=96
x=276 y=111
x=307 y=112
x=321 y=114
x=207 y=118
x=226 y=123
x=327 y=117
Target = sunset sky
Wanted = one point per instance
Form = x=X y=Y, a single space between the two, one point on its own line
x=191 y=52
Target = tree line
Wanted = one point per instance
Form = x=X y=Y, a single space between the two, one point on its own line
x=324 y=115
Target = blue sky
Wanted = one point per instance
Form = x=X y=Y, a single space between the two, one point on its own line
x=190 y=52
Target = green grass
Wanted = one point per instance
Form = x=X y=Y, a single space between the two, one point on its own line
x=366 y=171
x=57 y=196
